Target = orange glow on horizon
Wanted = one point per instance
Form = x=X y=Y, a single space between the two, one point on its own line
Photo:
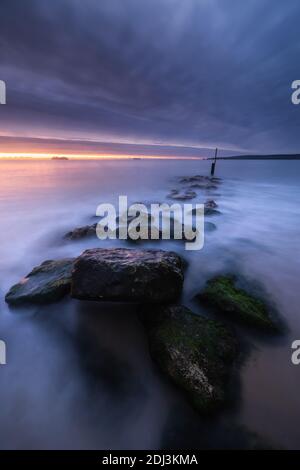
x=16 y=155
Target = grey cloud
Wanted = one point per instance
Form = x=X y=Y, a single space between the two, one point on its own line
x=192 y=73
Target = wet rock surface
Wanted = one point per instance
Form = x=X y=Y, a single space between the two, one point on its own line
x=194 y=352
x=46 y=283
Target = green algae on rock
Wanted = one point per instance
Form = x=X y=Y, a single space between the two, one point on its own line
x=221 y=294
x=195 y=352
x=46 y=283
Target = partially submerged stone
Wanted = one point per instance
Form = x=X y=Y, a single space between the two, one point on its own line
x=195 y=352
x=87 y=231
x=209 y=227
x=46 y=283
x=222 y=294
x=202 y=182
x=177 y=195
x=209 y=209
x=206 y=185
x=200 y=179
x=210 y=204
x=82 y=232
x=127 y=275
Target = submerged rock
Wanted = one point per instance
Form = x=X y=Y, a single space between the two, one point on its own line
x=181 y=196
x=206 y=185
x=46 y=283
x=127 y=275
x=209 y=227
x=195 y=352
x=221 y=294
x=200 y=182
x=81 y=232
x=199 y=179
x=90 y=230
x=210 y=204
x=209 y=209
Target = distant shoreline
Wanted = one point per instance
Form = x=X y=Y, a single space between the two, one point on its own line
x=260 y=157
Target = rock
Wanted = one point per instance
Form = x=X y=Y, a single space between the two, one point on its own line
x=197 y=179
x=82 y=232
x=210 y=204
x=146 y=217
x=195 y=352
x=221 y=294
x=127 y=275
x=181 y=196
x=122 y=219
x=209 y=209
x=200 y=182
x=209 y=227
x=90 y=230
x=203 y=186
x=46 y=283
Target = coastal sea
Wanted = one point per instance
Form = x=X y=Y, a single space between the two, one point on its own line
x=79 y=374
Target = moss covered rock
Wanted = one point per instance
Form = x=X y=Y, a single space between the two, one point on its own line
x=221 y=294
x=46 y=283
x=195 y=352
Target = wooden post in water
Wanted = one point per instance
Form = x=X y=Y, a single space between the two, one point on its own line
x=213 y=165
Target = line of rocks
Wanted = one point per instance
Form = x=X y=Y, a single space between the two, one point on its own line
x=86 y=231
x=195 y=352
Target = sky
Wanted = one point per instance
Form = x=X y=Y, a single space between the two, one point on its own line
x=149 y=77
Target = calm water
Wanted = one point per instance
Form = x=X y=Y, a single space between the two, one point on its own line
x=79 y=374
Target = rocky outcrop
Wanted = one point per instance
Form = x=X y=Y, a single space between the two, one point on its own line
x=81 y=232
x=223 y=296
x=195 y=352
x=127 y=275
x=46 y=283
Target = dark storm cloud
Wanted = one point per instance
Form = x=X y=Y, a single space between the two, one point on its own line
x=193 y=72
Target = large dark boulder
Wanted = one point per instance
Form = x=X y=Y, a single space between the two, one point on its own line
x=222 y=294
x=127 y=275
x=46 y=283
x=195 y=352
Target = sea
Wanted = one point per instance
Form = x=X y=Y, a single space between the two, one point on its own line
x=78 y=374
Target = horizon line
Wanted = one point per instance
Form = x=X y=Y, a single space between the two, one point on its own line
x=57 y=156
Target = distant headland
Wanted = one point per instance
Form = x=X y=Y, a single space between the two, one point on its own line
x=59 y=158
x=260 y=157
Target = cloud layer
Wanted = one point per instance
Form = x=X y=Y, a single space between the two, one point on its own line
x=168 y=72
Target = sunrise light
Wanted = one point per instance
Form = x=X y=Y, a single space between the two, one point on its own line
x=74 y=156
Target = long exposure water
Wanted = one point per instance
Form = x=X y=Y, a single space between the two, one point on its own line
x=79 y=374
